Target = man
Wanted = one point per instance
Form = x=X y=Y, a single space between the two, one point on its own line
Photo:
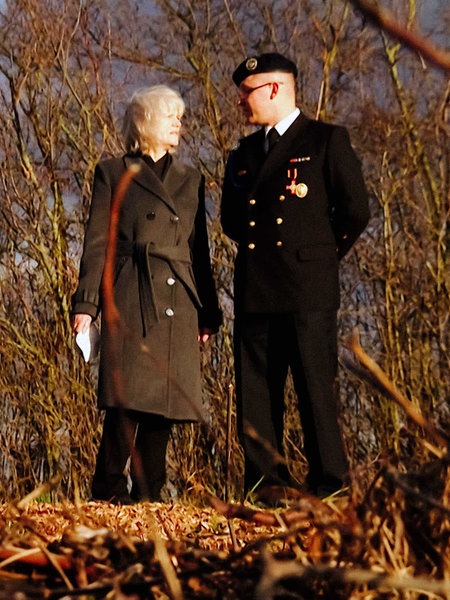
x=294 y=210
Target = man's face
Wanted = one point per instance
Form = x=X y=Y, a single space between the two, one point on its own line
x=256 y=94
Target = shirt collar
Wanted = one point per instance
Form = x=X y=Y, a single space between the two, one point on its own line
x=285 y=123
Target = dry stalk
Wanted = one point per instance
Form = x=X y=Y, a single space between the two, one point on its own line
x=168 y=570
x=391 y=391
x=54 y=561
x=302 y=513
x=271 y=453
x=228 y=443
x=40 y=490
x=275 y=571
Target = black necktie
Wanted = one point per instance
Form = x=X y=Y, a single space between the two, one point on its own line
x=272 y=138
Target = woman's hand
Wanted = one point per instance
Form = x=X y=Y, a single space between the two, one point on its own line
x=204 y=334
x=81 y=322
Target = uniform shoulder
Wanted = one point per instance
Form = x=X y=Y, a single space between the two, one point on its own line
x=325 y=127
x=248 y=140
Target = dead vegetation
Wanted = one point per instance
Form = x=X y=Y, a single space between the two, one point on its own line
x=388 y=541
x=65 y=70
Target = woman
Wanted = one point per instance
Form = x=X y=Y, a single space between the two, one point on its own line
x=164 y=292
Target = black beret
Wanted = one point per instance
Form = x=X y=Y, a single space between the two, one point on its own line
x=265 y=63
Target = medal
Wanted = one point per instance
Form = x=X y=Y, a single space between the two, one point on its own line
x=297 y=189
x=292 y=175
x=301 y=189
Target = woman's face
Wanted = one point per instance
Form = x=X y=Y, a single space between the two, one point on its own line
x=165 y=127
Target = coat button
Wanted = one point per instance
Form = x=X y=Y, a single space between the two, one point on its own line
x=151 y=216
x=252 y=201
x=251 y=246
x=252 y=223
x=279 y=244
x=169 y=312
x=279 y=221
x=170 y=281
x=174 y=219
x=282 y=198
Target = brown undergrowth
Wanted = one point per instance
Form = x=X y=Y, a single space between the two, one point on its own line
x=390 y=542
x=388 y=539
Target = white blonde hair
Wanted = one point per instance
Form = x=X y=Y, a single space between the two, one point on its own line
x=143 y=109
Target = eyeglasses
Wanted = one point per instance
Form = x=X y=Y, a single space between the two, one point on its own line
x=246 y=91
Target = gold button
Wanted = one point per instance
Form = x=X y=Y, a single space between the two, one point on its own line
x=251 y=246
x=252 y=201
x=279 y=221
x=252 y=223
x=279 y=243
x=282 y=198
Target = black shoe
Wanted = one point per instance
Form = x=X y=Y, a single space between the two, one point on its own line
x=325 y=491
x=124 y=500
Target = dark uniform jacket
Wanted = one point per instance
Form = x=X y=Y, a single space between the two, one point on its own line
x=293 y=214
x=163 y=285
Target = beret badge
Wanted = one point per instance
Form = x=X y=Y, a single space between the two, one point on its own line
x=251 y=64
x=264 y=63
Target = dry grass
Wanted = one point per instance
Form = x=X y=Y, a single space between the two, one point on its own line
x=387 y=537
x=389 y=542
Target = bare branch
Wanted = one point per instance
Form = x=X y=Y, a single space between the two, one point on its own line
x=386 y=21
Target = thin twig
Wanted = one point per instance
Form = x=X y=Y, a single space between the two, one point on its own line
x=228 y=444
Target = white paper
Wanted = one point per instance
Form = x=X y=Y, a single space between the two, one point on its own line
x=88 y=342
x=83 y=340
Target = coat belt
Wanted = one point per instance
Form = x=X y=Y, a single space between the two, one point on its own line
x=179 y=260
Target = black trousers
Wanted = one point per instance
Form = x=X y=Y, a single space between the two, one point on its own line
x=266 y=346
x=141 y=437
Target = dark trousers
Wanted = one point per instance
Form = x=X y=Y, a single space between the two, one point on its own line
x=266 y=346
x=141 y=437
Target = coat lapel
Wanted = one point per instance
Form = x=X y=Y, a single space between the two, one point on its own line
x=146 y=178
x=175 y=177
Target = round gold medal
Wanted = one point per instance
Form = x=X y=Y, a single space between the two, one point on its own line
x=301 y=189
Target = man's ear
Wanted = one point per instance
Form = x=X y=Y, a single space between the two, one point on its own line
x=275 y=88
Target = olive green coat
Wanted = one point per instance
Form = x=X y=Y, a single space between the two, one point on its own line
x=163 y=287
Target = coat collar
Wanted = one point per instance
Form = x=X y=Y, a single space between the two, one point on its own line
x=165 y=190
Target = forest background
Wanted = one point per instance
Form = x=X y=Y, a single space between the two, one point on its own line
x=66 y=70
